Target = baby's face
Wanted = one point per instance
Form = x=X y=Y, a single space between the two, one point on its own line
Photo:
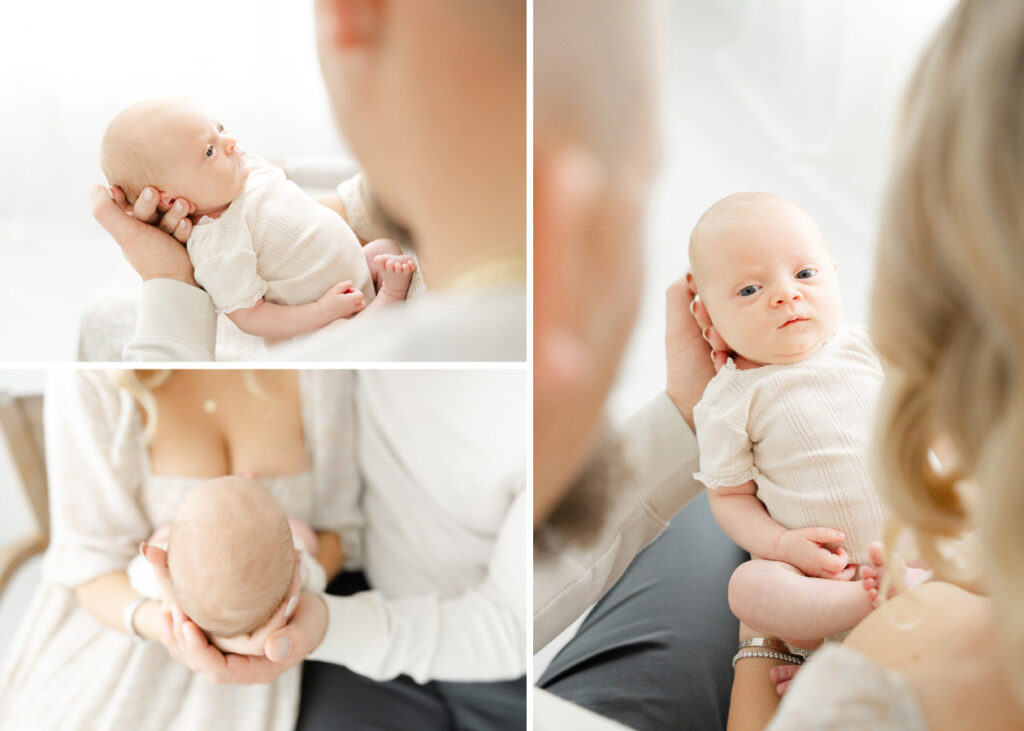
x=195 y=157
x=769 y=285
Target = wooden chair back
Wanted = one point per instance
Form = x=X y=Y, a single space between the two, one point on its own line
x=21 y=424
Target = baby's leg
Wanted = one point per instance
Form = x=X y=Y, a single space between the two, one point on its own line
x=871 y=575
x=776 y=598
x=391 y=269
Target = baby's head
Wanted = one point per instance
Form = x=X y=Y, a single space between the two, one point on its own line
x=176 y=147
x=231 y=559
x=762 y=270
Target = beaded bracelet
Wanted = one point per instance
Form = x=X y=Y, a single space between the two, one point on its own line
x=770 y=654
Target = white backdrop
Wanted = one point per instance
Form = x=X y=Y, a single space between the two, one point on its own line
x=796 y=97
x=68 y=68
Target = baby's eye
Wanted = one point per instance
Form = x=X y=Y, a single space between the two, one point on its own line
x=806 y=273
x=209 y=151
x=749 y=290
x=221 y=128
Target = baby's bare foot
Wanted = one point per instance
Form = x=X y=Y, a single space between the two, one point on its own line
x=395 y=275
x=871 y=575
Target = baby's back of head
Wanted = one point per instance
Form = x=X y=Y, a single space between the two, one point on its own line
x=230 y=556
x=127 y=153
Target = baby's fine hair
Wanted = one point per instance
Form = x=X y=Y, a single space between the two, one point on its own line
x=126 y=151
x=231 y=565
x=742 y=202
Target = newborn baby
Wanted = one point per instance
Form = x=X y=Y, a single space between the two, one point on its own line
x=784 y=442
x=236 y=563
x=276 y=261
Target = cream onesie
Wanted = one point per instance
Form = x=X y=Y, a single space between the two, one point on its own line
x=276 y=242
x=801 y=432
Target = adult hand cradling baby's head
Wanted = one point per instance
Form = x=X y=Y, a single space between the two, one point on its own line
x=254 y=643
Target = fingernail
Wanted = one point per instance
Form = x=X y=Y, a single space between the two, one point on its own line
x=142 y=549
x=289 y=610
x=179 y=206
x=712 y=354
x=693 y=303
x=181 y=224
x=109 y=192
x=282 y=648
x=704 y=332
x=147 y=195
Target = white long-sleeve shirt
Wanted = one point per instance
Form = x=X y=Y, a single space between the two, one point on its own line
x=446 y=511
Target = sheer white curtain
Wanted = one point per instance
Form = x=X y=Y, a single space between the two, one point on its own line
x=68 y=68
x=796 y=97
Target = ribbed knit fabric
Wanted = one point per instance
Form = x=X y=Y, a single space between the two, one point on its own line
x=801 y=431
x=276 y=242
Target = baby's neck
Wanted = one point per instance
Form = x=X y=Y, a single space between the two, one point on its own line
x=208 y=213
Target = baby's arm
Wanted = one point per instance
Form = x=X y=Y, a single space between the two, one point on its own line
x=745 y=519
x=284 y=321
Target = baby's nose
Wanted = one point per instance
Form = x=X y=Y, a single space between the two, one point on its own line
x=786 y=295
x=230 y=143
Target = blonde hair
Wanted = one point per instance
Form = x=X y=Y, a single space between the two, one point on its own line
x=946 y=311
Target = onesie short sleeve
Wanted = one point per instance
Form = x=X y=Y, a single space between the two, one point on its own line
x=726 y=452
x=225 y=266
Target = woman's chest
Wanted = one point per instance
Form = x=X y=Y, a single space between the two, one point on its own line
x=212 y=423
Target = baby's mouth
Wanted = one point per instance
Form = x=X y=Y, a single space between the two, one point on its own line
x=791 y=320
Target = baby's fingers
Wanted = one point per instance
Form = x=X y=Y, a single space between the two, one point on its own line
x=847 y=573
x=824 y=535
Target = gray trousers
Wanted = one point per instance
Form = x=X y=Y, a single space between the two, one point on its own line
x=655 y=651
x=334 y=697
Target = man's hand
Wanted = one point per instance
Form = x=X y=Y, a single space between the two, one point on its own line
x=151 y=251
x=809 y=550
x=285 y=648
x=687 y=355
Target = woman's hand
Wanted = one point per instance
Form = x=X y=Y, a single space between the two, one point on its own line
x=151 y=249
x=286 y=647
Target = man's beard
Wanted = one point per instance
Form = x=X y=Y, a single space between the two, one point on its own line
x=580 y=516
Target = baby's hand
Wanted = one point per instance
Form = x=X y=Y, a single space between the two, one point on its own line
x=341 y=301
x=808 y=549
